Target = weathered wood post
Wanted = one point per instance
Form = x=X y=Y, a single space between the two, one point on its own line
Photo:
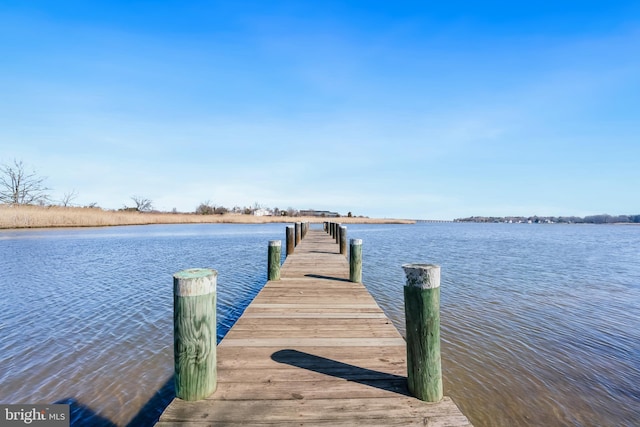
x=343 y=240
x=355 y=260
x=325 y=226
x=194 y=333
x=337 y=233
x=298 y=233
x=290 y=239
x=422 y=314
x=273 y=261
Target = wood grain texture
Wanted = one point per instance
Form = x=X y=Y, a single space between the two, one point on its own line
x=313 y=349
x=195 y=346
x=273 y=260
x=422 y=314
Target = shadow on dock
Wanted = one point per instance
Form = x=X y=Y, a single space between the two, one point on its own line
x=319 y=276
x=382 y=380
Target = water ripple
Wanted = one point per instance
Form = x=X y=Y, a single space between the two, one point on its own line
x=540 y=324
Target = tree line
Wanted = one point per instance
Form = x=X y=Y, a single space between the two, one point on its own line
x=591 y=219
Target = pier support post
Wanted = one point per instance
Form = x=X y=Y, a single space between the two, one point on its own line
x=291 y=243
x=194 y=333
x=422 y=314
x=343 y=240
x=273 y=262
x=298 y=233
x=355 y=260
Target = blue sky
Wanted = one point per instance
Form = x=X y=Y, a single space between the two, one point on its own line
x=404 y=109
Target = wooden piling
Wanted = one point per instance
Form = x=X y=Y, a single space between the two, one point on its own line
x=422 y=314
x=298 y=233
x=290 y=234
x=273 y=261
x=194 y=333
x=313 y=350
x=343 y=240
x=337 y=233
x=355 y=261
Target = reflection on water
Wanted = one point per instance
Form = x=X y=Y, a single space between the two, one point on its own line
x=540 y=323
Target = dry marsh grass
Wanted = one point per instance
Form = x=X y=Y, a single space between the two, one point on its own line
x=56 y=216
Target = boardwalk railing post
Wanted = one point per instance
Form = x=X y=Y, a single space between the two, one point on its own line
x=343 y=240
x=355 y=260
x=422 y=314
x=194 y=333
x=273 y=262
x=290 y=239
x=298 y=233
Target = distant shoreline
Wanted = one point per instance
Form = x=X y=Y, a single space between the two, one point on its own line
x=21 y=217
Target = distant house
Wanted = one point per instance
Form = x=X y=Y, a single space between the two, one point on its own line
x=324 y=214
x=261 y=212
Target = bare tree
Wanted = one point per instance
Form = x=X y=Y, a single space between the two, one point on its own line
x=68 y=197
x=142 y=204
x=206 y=208
x=17 y=186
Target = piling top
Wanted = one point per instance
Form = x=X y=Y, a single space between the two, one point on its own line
x=355 y=241
x=275 y=242
x=423 y=276
x=194 y=282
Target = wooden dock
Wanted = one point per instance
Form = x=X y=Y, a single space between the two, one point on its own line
x=312 y=349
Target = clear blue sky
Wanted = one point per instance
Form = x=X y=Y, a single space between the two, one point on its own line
x=384 y=108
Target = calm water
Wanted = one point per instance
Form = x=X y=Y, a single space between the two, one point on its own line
x=540 y=323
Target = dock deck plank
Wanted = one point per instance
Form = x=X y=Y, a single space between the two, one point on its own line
x=312 y=349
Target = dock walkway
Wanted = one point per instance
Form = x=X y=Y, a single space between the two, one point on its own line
x=312 y=349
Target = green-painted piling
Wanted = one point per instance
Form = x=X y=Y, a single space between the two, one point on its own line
x=355 y=260
x=273 y=262
x=422 y=314
x=343 y=240
x=194 y=333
